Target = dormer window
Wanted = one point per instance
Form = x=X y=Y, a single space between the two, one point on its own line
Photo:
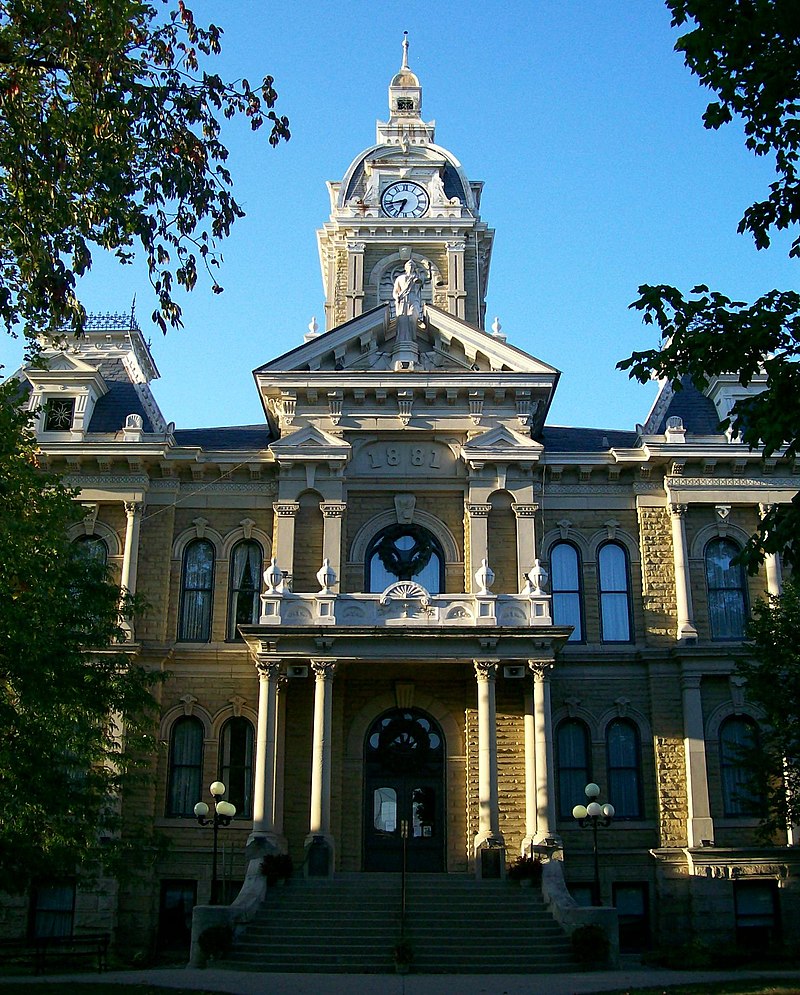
x=59 y=413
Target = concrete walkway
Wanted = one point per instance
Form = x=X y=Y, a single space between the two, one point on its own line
x=250 y=983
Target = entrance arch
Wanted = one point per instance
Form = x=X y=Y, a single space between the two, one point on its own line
x=404 y=754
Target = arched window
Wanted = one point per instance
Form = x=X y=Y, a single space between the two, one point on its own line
x=502 y=544
x=738 y=739
x=197 y=592
x=727 y=599
x=244 y=586
x=185 y=767
x=92 y=548
x=236 y=765
x=405 y=552
x=615 y=602
x=573 y=763
x=565 y=584
x=624 y=766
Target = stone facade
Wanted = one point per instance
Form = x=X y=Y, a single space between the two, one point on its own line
x=405 y=456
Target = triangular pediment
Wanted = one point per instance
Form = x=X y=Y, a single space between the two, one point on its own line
x=501 y=443
x=444 y=343
x=310 y=443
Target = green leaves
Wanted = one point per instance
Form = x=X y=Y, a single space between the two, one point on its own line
x=63 y=693
x=110 y=137
x=748 y=53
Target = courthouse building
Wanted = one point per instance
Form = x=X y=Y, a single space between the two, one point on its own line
x=405 y=597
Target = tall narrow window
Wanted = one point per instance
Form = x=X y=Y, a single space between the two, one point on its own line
x=574 y=769
x=624 y=763
x=738 y=738
x=185 y=767
x=565 y=584
x=52 y=909
x=236 y=765
x=197 y=592
x=244 y=586
x=727 y=602
x=405 y=552
x=615 y=606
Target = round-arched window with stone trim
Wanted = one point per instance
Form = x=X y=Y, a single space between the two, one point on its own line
x=404 y=552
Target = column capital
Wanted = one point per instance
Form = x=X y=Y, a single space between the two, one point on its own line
x=691 y=682
x=268 y=670
x=132 y=507
x=324 y=669
x=524 y=510
x=485 y=670
x=286 y=509
x=764 y=508
x=541 y=669
x=477 y=510
x=677 y=509
x=333 y=509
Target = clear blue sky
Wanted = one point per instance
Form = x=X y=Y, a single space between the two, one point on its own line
x=599 y=176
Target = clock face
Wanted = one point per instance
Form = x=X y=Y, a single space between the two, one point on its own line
x=404 y=199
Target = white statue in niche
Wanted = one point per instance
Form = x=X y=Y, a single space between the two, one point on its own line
x=407 y=294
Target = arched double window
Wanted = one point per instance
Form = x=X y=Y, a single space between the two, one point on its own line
x=624 y=767
x=738 y=741
x=197 y=592
x=727 y=593
x=573 y=760
x=244 y=586
x=566 y=588
x=236 y=764
x=615 y=600
x=405 y=552
x=185 y=767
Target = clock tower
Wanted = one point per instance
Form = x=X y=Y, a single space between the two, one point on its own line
x=405 y=198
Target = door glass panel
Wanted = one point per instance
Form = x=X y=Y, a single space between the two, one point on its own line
x=423 y=812
x=384 y=807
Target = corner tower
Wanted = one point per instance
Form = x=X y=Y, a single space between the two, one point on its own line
x=405 y=198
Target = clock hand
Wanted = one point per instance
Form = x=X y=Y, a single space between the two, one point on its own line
x=402 y=207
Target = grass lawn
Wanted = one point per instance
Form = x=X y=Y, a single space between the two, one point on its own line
x=99 y=988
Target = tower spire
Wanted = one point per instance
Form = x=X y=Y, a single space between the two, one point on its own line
x=405 y=51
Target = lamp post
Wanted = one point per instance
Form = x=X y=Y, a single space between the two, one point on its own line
x=223 y=813
x=594 y=815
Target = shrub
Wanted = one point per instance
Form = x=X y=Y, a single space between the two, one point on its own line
x=216 y=941
x=590 y=945
x=526 y=868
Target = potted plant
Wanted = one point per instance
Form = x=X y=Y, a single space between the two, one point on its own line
x=403 y=956
x=526 y=870
x=277 y=868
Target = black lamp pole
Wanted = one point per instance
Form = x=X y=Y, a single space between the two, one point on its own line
x=594 y=815
x=223 y=813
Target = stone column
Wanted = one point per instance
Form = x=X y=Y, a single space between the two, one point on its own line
x=333 y=513
x=456 y=291
x=265 y=829
x=543 y=751
x=700 y=824
x=772 y=563
x=319 y=843
x=683 y=592
x=130 y=555
x=283 y=545
x=280 y=755
x=355 y=278
x=488 y=835
x=525 y=515
x=478 y=537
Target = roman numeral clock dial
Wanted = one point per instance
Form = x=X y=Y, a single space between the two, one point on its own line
x=404 y=199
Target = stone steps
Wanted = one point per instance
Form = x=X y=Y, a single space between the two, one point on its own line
x=454 y=924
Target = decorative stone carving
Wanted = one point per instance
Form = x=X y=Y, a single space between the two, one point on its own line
x=404 y=505
x=188 y=701
x=484 y=578
x=326 y=577
x=273 y=577
x=537 y=577
x=406 y=590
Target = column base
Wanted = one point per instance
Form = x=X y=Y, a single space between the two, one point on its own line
x=541 y=845
x=490 y=856
x=319 y=855
x=701 y=832
x=259 y=844
x=687 y=632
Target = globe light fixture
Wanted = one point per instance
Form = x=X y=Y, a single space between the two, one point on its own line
x=223 y=813
x=593 y=815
